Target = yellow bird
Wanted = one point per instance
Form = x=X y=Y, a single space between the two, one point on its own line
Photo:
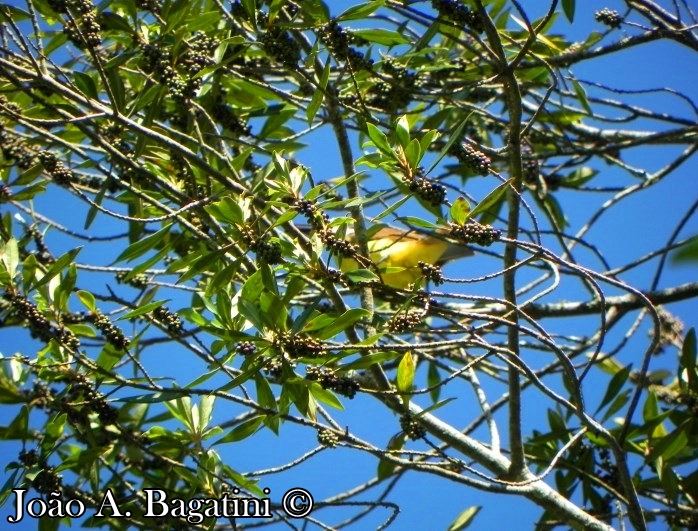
x=397 y=254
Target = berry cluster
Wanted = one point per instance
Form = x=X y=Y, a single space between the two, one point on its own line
x=474 y=232
x=339 y=41
x=75 y=317
x=317 y=218
x=139 y=281
x=84 y=32
x=39 y=325
x=609 y=17
x=5 y=193
x=412 y=427
x=397 y=93
x=529 y=164
x=682 y=519
x=47 y=480
x=39 y=396
x=237 y=10
x=338 y=246
x=159 y=62
x=14 y=149
x=279 y=44
x=82 y=391
x=56 y=169
x=327 y=378
x=274 y=367
x=609 y=471
x=42 y=254
x=299 y=345
x=171 y=320
x=404 y=321
x=228 y=118
x=59 y=6
x=327 y=438
x=267 y=252
x=431 y=192
x=153 y=6
x=28 y=458
x=454 y=11
x=335 y=275
x=8 y=107
x=133 y=172
x=66 y=337
x=111 y=332
x=431 y=272
x=246 y=348
x=198 y=54
x=475 y=160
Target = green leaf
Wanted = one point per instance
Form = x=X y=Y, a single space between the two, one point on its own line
x=265 y=396
x=109 y=357
x=382 y=36
x=227 y=209
x=579 y=177
x=9 y=254
x=435 y=406
x=58 y=266
x=392 y=208
x=362 y=275
x=325 y=396
x=614 y=387
x=319 y=95
x=688 y=361
x=142 y=246
x=405 y=373
x=343 y=322
x=385 y=466
x=568 y=8
x=554 y=212
x=364 y=362
x=203 y=21
x=460 y=210
x=402 y=130
x=671 y=445
x=455 y=137
x=433 y=381
x=141 y=310
x=242 y=431
x=6 y=489
x=54 y=428
x=86 y=85
x=491 y=200
x=87 y=299
x=414 y=153
x=205 y=411
x=688 y=252
x=582 y=96
x=379 y=139
x=317 y=10
x=419 y=223
x=464 y=519
x=360 y=11
x=30 y=192
x=617 y=404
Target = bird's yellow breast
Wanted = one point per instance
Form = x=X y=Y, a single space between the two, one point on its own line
x=405 y=253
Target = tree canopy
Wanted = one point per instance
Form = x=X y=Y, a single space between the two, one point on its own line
x=192 y=195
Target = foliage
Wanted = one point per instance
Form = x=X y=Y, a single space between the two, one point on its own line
x=155 y=155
